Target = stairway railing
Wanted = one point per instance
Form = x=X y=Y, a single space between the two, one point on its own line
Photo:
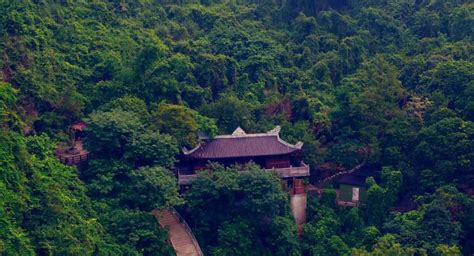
x=332 y=177
x=188 y=229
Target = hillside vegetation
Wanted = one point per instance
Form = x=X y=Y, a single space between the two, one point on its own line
x=388 y=83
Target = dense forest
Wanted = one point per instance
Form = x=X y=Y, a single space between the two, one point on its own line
x=387 y=83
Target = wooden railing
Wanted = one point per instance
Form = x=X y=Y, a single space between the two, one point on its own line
x=186 y=179
x=73 y=159
x=289 y=172
x=332 y=177
x=188 y=230
x=347 y=203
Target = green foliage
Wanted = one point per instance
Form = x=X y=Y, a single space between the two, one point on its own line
x=434 y=224
x=443 y=249
x=230 y=112
x=392 y=181
x=320 y=235
x=50 y=211
x=387 y=245
x=328 y=197
x=152 y=148
x=377 y=207
x=7 y=101
x=124 y=197
x=128 y=104
x=381 y=198
x=241 y=213
x=389 y=83
x=127 y=177
x=110 y=132
x=372 y=110
x=302 y=131
x=182 y=123
x=454 y=79
x=446 y=161
x=151 y=188
x=135 y=232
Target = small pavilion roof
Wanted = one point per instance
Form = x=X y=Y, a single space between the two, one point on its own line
x=357 y=178
x=79 y=126
x=241 y=144
x=351 y=179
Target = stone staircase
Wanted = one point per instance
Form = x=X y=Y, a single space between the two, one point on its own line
x=180 y=235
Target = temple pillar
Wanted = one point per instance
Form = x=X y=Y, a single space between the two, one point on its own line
x=298 y=202
x=298 y=186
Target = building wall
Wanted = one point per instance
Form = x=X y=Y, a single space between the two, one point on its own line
x=268 y=162
x=281 y=162
x=345 y=193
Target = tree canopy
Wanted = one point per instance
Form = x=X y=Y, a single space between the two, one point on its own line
x=386 y=84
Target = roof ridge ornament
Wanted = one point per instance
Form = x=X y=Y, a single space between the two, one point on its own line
x=185 y=150
x=299 y=144
x=275 y=130
x=238 y=132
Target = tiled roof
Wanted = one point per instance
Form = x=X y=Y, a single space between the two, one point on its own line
x=351 y=179
x=358 y=178
x=79 y=126
x=240 y=144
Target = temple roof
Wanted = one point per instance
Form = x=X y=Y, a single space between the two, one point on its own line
x=241 y=144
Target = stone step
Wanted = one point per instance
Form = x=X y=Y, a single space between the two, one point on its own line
x=167 y=222
x=181 y=238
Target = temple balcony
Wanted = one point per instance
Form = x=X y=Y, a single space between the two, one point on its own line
x=292 y=171
x=185 y=178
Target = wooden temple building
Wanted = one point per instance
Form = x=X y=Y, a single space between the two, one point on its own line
x=267 y=150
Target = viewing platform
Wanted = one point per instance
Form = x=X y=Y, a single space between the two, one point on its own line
x=73 y=152
x=70 y=156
